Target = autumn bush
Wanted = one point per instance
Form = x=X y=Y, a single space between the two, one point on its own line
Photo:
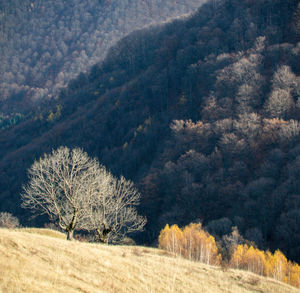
x=266 y=264
x=192 y=242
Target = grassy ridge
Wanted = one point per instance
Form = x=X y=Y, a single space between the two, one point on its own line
x=39 y=261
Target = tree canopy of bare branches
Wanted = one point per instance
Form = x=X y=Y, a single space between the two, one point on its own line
x=60 y=186
x=113 y=214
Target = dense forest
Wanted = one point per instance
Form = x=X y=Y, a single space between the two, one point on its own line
x=202 y=113
x=44 y=44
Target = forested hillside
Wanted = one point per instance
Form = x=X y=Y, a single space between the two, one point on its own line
x=202 y=113
x=44 y=43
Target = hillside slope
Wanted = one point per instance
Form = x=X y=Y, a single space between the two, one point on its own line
x=44 y=44
x=202 y=113
x=37 y=263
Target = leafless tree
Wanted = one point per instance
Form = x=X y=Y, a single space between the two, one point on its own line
x=280 y=103
x=81 y=194
x=113 y=213
x=61 y=185
x=7 y=220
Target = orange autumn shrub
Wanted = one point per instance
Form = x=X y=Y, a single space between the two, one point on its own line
x=191 y=242
x=265 y=263
x=171 y=239
x=293 y=275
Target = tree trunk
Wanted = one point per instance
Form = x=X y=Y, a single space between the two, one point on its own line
x=70 y=234
x=71 y=227
x=102 y=236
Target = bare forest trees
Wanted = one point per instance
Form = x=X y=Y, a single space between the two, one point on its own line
x=81 y=194
x=285 y=91
x=45 y=51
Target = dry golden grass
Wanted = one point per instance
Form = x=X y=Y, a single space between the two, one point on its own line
x=39 y=261
x=45 y=232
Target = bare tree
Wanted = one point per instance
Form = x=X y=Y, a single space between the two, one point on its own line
x=61 y=185
x=81 y=194
x=280 y=103
x=7 y=220
x=113 y=214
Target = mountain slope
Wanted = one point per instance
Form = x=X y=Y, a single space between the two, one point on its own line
x=44 y=44
x=202 y=113
x=34 y=263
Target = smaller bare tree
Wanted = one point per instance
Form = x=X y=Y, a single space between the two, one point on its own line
x=7 y=220
x=113 y=213
x=280 y=103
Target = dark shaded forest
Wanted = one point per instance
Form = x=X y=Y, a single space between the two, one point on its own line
x=44 y=44
x=202 y=113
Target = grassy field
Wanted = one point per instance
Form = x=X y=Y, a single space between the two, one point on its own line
x=40 y=260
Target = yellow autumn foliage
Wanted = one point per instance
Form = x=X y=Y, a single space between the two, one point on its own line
x=265 y=263
x=293 y=275
x=171 y=239
x=277 y=265
x=191 y=242
x=249 y=258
